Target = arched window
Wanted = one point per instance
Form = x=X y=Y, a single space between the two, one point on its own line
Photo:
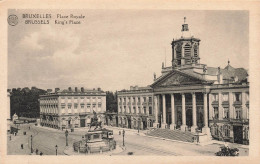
x=187 y=53
x=196 y=55
x=178 y=54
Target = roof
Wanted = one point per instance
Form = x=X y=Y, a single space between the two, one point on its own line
x=229 y=72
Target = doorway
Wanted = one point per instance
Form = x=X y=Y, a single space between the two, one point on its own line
x=238 y=134
x=82 y=122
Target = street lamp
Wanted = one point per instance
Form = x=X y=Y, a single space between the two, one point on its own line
x=56 y=147
x=123 y=138
x=66 y=134
x=31 y=145
x=138 y=125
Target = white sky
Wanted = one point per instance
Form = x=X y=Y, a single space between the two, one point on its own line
x=114 y=49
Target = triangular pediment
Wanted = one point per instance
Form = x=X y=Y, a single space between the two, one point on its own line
x=177 y=78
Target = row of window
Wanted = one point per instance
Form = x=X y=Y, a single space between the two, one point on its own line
x=82 y=105
x=69 y=97
x=226 y=113
x=138 y=99
x=225 y=131
x=225 y=96
x=134 y=110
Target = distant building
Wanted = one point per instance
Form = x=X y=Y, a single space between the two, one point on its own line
x=190 y=96
x=71 y=108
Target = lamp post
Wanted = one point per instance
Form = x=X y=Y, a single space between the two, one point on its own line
x=31 y=145
x=56 y=147
x=138 y=125
x=66 y=134
x=123 y=138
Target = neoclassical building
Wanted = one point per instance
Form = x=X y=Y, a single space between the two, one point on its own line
x=71 y=108
x=191 y=96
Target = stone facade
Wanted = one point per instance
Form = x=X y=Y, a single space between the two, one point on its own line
x=72 y=109
x=190 y=96
x=135 y=108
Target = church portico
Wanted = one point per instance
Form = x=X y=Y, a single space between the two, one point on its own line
x=181 y=110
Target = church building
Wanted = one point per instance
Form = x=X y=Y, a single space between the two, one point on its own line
x=191 y=97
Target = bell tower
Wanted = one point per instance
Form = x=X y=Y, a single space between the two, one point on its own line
x=185 y=50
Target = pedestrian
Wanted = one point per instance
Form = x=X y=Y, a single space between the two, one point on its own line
x=119 y=132
x=29 y=127
x=21 y=146
x=36 y=151
x=41 y=153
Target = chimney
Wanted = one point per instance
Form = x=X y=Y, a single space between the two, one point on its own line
x=99 y=89
x=57 y=89
x=76 y=89
x=82 y=89
x=70 y=89
x=220 y=77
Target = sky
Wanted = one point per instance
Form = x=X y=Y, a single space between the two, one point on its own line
x=114 y=49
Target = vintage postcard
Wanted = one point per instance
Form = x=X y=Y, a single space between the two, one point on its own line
x=146 y=82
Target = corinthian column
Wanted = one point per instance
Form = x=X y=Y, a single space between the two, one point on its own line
x=183 y=126
x=194 y=113
x=206 y=129
x=173 y=125
x=164 y=112
x=156 y=112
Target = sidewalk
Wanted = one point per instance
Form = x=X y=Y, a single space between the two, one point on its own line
x=14 y=146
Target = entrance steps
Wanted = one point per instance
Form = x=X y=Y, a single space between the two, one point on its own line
x=172 y=134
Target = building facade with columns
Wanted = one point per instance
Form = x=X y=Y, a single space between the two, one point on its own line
x=71 y=108
x=194 y=97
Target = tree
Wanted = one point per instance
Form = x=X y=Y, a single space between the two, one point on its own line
x=24 y=102
x=111 y=102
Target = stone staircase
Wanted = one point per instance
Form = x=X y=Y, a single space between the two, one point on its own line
x=172 y=134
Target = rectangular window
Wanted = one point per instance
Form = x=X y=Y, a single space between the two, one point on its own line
x=139 y=111
x=150 y=99
x=134 y=110
x=63 y=106
x=88 y=105
x=75 y=106
x=99 y=105
x=226 y=113
x=150 y=110
x=237 y=96
x=215 y=97
x=225 y=97
x=144 y=99
x=216 y=113
x=238 y=113
x=82 y=105
x=69 y=106
x=144 y=110
x=138 y=99
x=69 y=97
x=94 y=105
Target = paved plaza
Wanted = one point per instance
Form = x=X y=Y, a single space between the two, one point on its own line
x=45 y=140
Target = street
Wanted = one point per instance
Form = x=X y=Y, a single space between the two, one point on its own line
x=45 y=140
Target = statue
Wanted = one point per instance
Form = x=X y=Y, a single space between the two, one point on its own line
x=95 y=121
